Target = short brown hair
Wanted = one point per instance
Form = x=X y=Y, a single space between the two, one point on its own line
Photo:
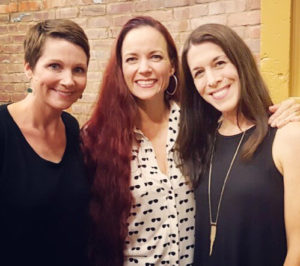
x=54 y=28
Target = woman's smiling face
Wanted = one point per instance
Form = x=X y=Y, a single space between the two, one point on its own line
x=60 y=74
x=215 y=77
x=146 y=64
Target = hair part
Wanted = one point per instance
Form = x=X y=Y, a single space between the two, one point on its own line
x=199 y=119
x=107 y=140
x=53 y=28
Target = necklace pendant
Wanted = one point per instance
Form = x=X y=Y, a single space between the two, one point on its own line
x=213 y=231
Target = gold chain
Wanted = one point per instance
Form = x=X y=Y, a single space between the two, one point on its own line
x=213 y=225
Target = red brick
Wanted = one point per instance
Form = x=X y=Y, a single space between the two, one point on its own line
x=13 y=48
x=4 y=97
x=96 y=33
x=16 y=58
x=53 y=3
x=175 y=3
x=42 y=15
x=4 y=18
x=81 y=22
x=12 y=28
x=121 y=20
x=204 y=1
x=18 y=38
x=182 y=13
x=68 y=12
x=198 y=11
x=4 y=9
x=235 y=6
x=99 y=22
x=245 y=18
x=240 y=30
x=222 y=18
x=5 y=39
x=3 y=68
x=161 y=15
x=15 y=68
x=17 y=97
x=254 y=4
x=13 y=7
x=92 y=10
x=5 y=58
x=149 y=5
x=216 y=8
x=120 y=8
x=29 y=6
x=177 y=26
x=253 y=32
x=253 y=44
x=3 y=29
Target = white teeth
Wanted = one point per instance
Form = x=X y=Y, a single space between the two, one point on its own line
x=65 y=92
x=145 y=82
x=219 y=94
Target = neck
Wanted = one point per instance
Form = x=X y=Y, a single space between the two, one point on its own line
x=231 y=125
x=151 y=113
x=38 y=115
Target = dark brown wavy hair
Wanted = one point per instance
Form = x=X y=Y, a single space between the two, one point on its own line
x=107 y=140
x=199 y=119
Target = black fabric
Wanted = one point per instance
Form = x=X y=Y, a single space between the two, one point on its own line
x=43 y=205
x=250 y=229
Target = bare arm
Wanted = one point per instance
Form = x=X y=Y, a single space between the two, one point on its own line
x=285 y=112
x=286 y=152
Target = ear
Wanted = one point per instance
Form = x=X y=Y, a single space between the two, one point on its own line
x=172 y=70
x=28 y=71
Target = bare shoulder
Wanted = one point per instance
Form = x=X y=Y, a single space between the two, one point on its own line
x=286 y=146
x=289 y=133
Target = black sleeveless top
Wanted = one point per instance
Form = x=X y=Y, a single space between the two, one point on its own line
x=250 y=229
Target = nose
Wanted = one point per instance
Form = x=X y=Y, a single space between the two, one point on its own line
x=67 y=78
x=213 y=78
x=144 y=66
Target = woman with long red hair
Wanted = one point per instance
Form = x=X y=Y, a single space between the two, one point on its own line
x=142 y=207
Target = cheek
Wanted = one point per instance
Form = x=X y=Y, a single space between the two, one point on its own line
x=200 y=87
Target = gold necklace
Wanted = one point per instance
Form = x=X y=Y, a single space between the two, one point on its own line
x=213 y=225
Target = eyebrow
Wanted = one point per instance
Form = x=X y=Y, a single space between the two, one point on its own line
x=214 y=59
x=151 y=52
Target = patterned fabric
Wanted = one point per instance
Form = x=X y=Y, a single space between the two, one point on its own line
x=161 y=221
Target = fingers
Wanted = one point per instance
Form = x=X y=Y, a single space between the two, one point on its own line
x=287 y=111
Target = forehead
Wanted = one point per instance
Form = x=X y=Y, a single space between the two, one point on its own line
x=60 y=49
x=144 y=39
x=204 y=52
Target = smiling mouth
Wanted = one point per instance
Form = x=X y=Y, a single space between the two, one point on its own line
x=220 y=93
x=146 y=83
x=64 y=93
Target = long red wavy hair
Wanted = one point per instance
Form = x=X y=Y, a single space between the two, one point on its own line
x=107 y=140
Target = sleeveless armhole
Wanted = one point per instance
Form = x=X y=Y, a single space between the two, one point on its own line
x=2 y=132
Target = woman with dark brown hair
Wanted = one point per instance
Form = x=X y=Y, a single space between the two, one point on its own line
x=245 y=173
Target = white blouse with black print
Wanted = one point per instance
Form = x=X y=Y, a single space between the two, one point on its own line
x=161 y=221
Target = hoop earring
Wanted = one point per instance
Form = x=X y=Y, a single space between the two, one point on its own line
x=172 y=92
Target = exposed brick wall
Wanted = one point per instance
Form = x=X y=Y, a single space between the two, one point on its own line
x=102 y=19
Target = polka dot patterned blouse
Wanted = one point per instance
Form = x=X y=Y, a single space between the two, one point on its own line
x=161 y=221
